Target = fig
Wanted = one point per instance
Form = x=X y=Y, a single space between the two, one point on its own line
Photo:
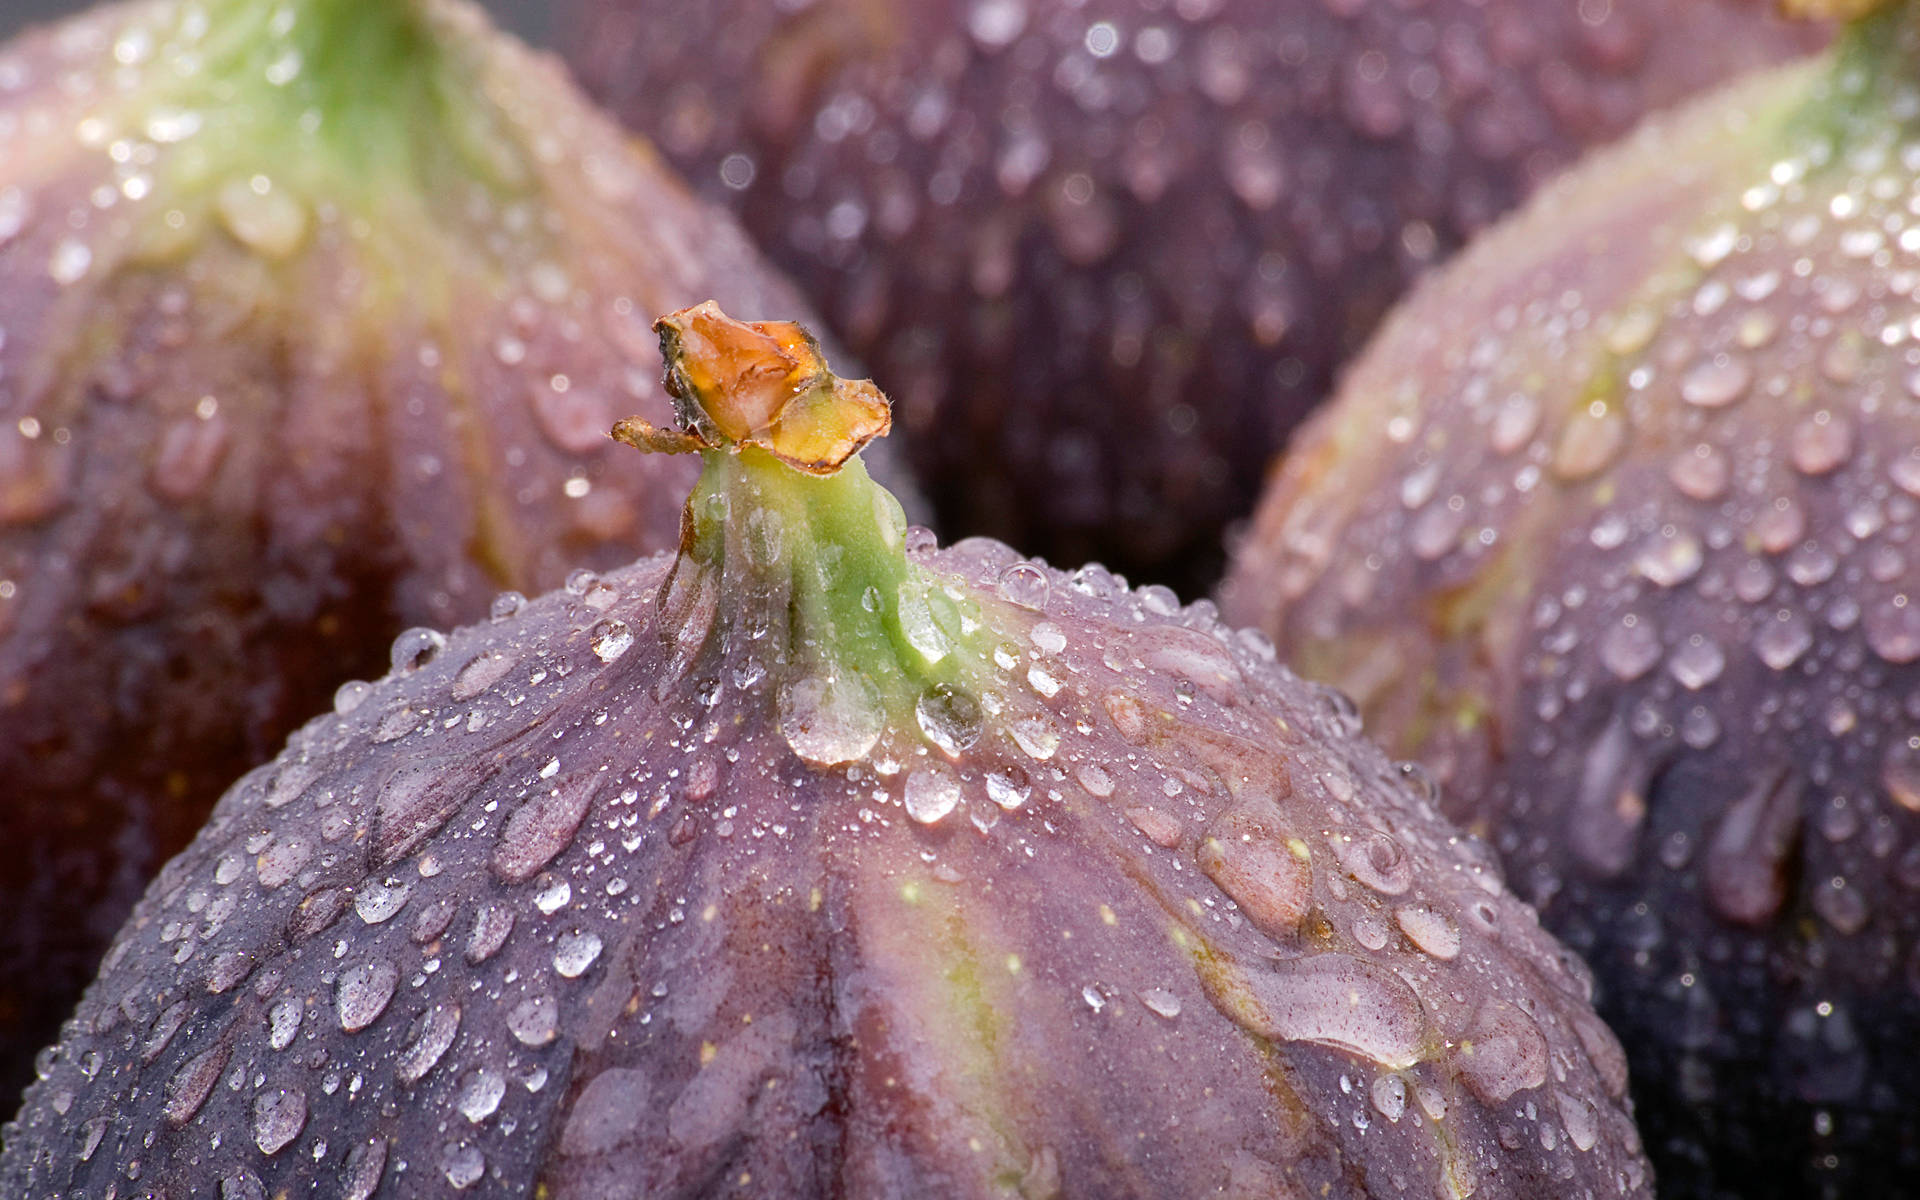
x=313 y=316
x=814 y=860
x=1615 y=528
x=1104 y=256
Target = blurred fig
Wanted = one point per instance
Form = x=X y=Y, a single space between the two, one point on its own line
x=1104 y=255
x=313 y=317
x=816 y=861
x=1617 y=528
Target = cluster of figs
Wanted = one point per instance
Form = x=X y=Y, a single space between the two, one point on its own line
x=1531 y=813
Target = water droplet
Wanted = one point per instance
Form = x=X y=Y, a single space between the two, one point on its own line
x=1389 y=1093
x=1006 y=791
x=491 y=925
x=1670 y=560
x=414 y=649
x=553 y=894
x=1582 y=1122
x=1259 y=871
x=70 y=261
x=365 y=1165
x=542 y=827
x=610 y=639
x=266 y=219
x=1696 y=662
x=1781 y=641
x=1035 y=735
x=1821 y=442
x=1503 y=1052
x=831 y=718
x=1026 y=585
x=535 y=1021
x=1747 y=857
x=363 y=993
x=190 y=1086
x=279 y=1115
x=283 y=1021
x=996 y=23
x=482 y=672
x=377 y=902
x=1716 y=382
x=1373 y=858
x=433 y=1032
x=1593 y=437
x=462 y=1164
x=931 y=793
x=1433 y=932
x=1630 y=648
x=505 y=605
x=1161 y=1002
x=575 y=952
x=950 y=718
x=1325 y=999
x=481 y=1091
x=350 y=695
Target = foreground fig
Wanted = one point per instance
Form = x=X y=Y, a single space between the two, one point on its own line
x=1105 y=255
x=313 y=316
x=815 y=861
x=1617 y=527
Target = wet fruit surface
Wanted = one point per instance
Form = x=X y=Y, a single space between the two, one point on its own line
x=818 y=861
x=1104 y=256
x=312 y=320
x=1617 y=527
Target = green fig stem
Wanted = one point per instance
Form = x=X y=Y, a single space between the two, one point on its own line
x=785 y=531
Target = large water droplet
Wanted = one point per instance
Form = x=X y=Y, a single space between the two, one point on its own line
x=1502 y=1053
x=190 y=1086
x=279 y=1114
x=544 y=826
x=363 y=993
x=481 y=1091
x=1326 y=999
x=1267 y=878
x=535 y=1021
x=433 y=1033
x=831 y=717
x=1026 y=585
x=610 y=639
x=1746 y=864
x=931 y=793
x=575 y=952
x=950 y=718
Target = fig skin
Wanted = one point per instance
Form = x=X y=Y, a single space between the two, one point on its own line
x=818 y=861
x=287 y=368
x=1614 y=528
x=1104 y=257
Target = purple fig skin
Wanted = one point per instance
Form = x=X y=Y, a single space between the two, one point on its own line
x=618 y=894
x=1614 y=527
x=253 y=427
x=1104 y=256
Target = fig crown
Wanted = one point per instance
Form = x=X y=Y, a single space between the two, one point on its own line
x=766 y=384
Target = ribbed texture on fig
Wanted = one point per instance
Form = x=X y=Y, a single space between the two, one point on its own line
x=313 y=319
x=820 y=862
x=1104 y=256
x=1617 y=527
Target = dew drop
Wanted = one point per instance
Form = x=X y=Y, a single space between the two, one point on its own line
x=462 y=1164
x=190 y=1086
x=1433 y=932
x=931 y=793
x=535 y=1021
x=575 y=952
x=1504 y=1052
x=482 y=672
x=1035 y=735
x=949 y=718
x=1716 y=382
x=415 y=648
x=1026 y=585
x=433 y=1032
x=1258 y=871
x=1327 y=999
x=481 y=1091
x=544 y=826
x=610 y=639
x=363 y=994
x=831 y=718
x=491 y=925
x=377 y=902
x=278 y=1117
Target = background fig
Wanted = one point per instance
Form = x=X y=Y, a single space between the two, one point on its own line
x=313 y=316
x=817 y=861
x=1615 y=528
x=1104 y=256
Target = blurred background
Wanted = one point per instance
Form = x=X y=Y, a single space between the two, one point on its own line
x=531 y=19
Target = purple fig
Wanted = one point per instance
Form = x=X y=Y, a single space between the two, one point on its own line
x=1105 y=255
x=313 y=316
x=817 y=861
x=1617 y=528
